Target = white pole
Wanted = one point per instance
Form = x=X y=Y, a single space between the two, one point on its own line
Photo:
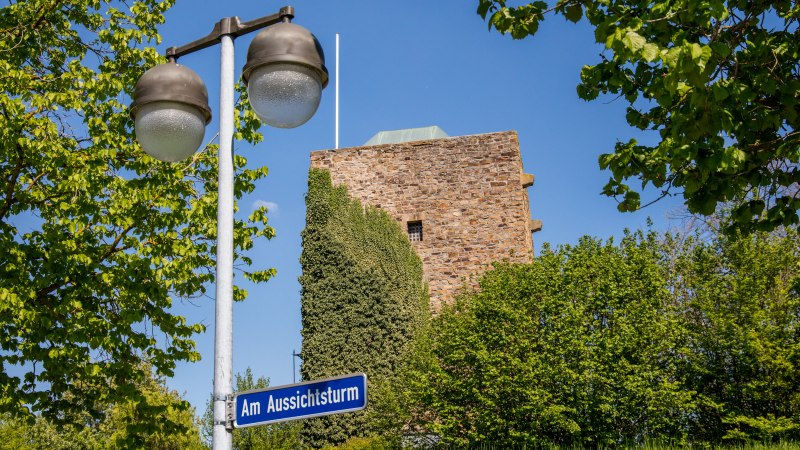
x=222 y=439
x=337 y=90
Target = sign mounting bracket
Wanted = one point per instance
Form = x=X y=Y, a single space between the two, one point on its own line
x=230 y=412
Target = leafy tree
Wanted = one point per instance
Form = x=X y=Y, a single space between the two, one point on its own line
x=279 y=436
x=363 y=301
x=739 y=299
x=676 y=338
x=43 y=434
x=96 y=238
x=718 y=80
x=573 y=349
x=359 y=443
x=167 y=423
x=161 y=421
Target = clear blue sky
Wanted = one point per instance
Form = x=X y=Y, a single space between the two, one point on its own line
x=403 y=65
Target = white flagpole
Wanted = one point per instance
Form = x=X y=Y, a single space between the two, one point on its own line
x=337 y=91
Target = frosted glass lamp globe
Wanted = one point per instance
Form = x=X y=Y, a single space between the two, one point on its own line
x=284 y=95
x=170 y=111
x=169 y=131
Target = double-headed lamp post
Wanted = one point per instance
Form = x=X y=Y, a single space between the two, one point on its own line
x=285 y=74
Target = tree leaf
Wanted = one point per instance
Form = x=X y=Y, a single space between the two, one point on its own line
x=650 y=52
x=573 y=12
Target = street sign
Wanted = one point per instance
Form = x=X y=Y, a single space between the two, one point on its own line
x=298 y=401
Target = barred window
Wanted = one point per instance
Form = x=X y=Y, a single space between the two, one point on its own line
x=415 y=231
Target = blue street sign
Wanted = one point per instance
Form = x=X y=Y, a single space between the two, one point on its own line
x=297 y=401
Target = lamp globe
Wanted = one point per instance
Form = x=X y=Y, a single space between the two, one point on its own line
x=170 y=112
x=285 y=74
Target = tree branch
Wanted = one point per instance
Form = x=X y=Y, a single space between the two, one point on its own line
x=112 y=248
x=11 y=184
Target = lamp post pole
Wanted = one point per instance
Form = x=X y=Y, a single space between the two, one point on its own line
x=294 y=369
x=285 y=74
x=222 y=438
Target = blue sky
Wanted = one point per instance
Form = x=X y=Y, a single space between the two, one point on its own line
x=408 y=64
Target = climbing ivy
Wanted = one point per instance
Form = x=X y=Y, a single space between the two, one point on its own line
x=363 y=299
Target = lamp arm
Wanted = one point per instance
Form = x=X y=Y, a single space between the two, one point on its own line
x=230 y=26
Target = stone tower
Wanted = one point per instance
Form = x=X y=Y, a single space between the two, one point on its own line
x=462 y=200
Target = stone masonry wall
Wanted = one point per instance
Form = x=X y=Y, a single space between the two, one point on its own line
x=467 y=191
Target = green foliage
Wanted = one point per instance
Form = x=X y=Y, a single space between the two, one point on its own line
x=160 y=421
x=782 y=445
x=357 y=443
x=96 y=238
x=363 y=299
x=167 y=423
x=279 y=436
x=718 y=80
x=742 y=342
x=572 y=349
x=672 y=339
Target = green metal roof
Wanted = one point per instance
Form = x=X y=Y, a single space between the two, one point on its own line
x=407 y=135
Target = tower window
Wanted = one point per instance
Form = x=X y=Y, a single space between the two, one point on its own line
x=415 y=231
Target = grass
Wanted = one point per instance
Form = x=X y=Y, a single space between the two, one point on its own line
x=665 y=446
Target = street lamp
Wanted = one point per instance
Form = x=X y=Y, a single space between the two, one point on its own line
x=285 y=74
x=170 y=112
